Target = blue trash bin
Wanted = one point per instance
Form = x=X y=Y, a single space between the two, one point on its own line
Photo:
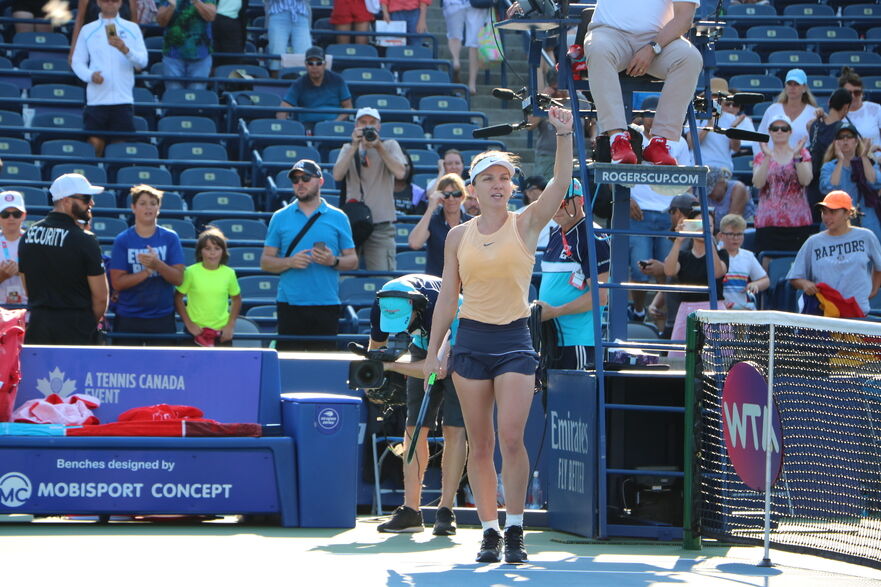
x=324 y=427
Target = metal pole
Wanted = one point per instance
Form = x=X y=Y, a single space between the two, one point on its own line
x=768 y=430
x=691 y=539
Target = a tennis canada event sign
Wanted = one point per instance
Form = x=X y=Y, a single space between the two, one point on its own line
x=744 y=417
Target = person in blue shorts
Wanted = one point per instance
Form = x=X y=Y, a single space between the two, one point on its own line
x=565 y=292
x=146 y=264
x=406 y=304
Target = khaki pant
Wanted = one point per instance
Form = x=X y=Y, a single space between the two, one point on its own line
x=379 y=250
x=609 y=50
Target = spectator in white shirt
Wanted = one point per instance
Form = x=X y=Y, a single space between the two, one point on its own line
x=106 y=55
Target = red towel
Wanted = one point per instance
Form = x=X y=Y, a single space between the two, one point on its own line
x=835 y=305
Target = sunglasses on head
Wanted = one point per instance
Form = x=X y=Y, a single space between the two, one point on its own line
x=314 y=63
x=304 y=178
x=86 y=198
x=779 y=128
x=448 y=195
x=13 y=213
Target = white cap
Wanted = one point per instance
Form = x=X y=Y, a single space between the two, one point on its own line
x=72 y=184
x=11 y=199
x=368 y=111
x=488 y=162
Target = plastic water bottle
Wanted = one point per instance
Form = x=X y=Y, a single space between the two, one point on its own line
x=500 y=490
x=535 y=500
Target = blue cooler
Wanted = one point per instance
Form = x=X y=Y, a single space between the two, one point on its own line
x=324 y=427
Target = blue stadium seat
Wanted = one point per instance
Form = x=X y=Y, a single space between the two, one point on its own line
x=729 y=32
x=872 y=83
x=354 y=75
x=242 y=229
x=245 y=257
x=449 y=134
x=132 y=151
x=342 y=129
x=840 y=58
x=9 y=147
x=431 y=82
x=289 y=154
x=275 y=132
x=402 y=130
x=11 y=119
x=59 y=92
x=413 y=261
x=224 y=201
x=423 y=157
x=48 y=40
x=259 y=289
x=10 y=94
x=33 y=196
x=764 y=84
x=181 y=102
x=862 y=10
x=321 y=8
x=269 y=311
x=59 y=121
x=239 y=71
x=14 y=171
x=360 y=291
x=210 y=176
x=56 y=70
x=243 y=99
x=185 y=127
x=822 y=84
x=408 y=56
x=750 y=10
x=189 y=256
x=108 y=227
x=384 y=103
x=771 y=32
x=143 y=174
x=183 y=228
x=68 y=148
x=105 y=199
x=808 y=10
x=350 y=55
x=197 y=151
x=743 y=168
x=96 y=175
x=874 y=33
x=820 y=33
x=793 y=58
x=402 y=232
x=448 y=109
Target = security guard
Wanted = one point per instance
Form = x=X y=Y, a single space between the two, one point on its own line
x=62 y=269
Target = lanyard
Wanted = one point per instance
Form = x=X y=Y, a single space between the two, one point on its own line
x=5 y=248
x=567 y=250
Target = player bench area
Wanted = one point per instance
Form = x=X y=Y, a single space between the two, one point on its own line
x=46 y=475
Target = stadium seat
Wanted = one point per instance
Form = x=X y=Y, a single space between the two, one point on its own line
x=402 y=232
x=183 y=228
x=321 y=8
x=108 y=227
x=814 y=9
x=793 y=58
x=822 y=84
x=275 y=132
x=245 y=98
x=57 y=41
x=775 y=33
x=189 y=255
x=764 y=84
x=209 y=176
x=873 y=10
x=350 y=55
x=642 y=330
x=14 y=171
x=402 y=130
x=136 y=174
x=245 y=257
x=242 y=229
x=341 y=129
x=288 y=154
x=268 y=311
x=820 y=33
x=223 y=201
x=423 y=179
x=59 y=92
x=729 y=32
x=841 y=58
x=408 y=56
x=9 y=147
x=449 y=134
x=13 y=120
x=360 y=291
x=259 y=289
x=872 y=83
x=106 y=199
x=197 y=151
x=423 y=157
x=133 y=151
x=750 y=10
x=242 y=76
x=32 y=196
x=185 y=127
x=413 y=261
x=354 y=75
x=58 y=121
x=743 y=168
x=384 y=103
x=431 y=82
x=447 y=109
x=242 y=326
x=10 y=94
x=874 y=33
x=48 y=70
x=68 y=148
x=96 y=175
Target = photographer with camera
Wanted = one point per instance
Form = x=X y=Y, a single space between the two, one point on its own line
x=369 y=166
x=405 y=305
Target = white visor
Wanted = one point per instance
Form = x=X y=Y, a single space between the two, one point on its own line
x=488 y=162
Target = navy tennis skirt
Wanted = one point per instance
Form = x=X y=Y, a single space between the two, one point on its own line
x=484 y=351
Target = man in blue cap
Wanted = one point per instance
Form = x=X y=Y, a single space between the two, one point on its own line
x=565 y=292
x=406 y=304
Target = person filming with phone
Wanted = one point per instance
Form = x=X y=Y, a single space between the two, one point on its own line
x=106 y=55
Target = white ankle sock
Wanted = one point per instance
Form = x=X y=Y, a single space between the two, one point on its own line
x=513 y=520
x=494 y=524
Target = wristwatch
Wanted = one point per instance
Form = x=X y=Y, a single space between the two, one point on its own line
x=655 y=47
x=336 y=262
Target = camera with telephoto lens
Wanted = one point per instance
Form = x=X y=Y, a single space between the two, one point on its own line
x=380 y=386
x=369 y=133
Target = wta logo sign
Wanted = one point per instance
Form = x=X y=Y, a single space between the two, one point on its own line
x=15 y=489
x=745 y=413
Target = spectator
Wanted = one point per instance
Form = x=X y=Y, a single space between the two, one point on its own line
x=30 y=9
x=741 y=121
x=288 y=24
x=797 y=104
x=228 y=30
x=690 y=268
x=406 y=304
x=187 y=49
x=409 y=197
x=87 y=11
x=318 y=89
x=649 y=211
x=651 y=44
x=728 y=196
x=745 y=277
x=545 y=141
x=463 y=24
x=106 y=55
x=62 y=270
x=146 y=265
x=846 y=258
x=12 y=214
x=716 y=148
x=848 y=167
x=351 y=15
x=532 y=188
x=444 y=212
x=369 y=165
x=471 y=205
x=451 y=162
x=865 y=115
x=308 y=300
x=412 y=12
x=780 y=173
x=822 y=132
x=213 y=297
x=565 y=292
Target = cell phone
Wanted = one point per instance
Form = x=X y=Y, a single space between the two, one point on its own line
x=692 y=225
x=319 y=245
x=110 y=29
x=643 y=264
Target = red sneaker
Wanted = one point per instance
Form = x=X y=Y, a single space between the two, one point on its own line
x=658 y=153
x=622 y=152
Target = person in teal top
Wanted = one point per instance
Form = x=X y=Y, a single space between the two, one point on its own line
x=209 y=285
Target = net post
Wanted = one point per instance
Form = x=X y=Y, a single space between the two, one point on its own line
x=691 y=539
x=766 y=435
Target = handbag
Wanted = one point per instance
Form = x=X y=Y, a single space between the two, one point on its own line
x=360 y=217
x=486 y=43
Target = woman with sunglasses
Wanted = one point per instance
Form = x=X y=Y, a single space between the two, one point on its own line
x=797 y=103
x=444 y=211
x=847 y=167
x=864 y=115
x=12 y=215
x=780 y=172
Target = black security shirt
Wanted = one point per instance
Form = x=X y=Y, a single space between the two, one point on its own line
x=56 y=256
